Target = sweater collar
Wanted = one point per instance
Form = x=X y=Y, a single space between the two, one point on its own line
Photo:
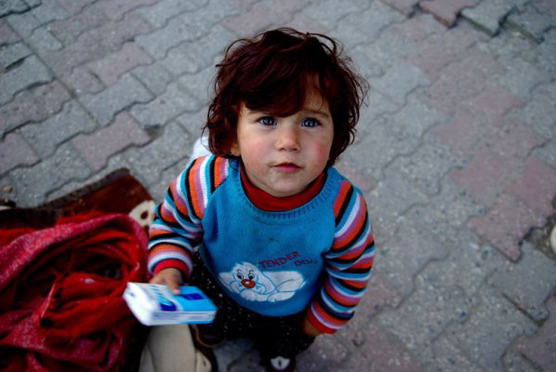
x=269 y=203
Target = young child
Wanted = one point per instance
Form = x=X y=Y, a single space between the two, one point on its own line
x=265 y=225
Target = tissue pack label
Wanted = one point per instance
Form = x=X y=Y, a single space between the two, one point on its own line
x=154 y=304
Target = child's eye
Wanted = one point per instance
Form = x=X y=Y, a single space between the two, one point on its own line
x=267 y=120
x=310 y=123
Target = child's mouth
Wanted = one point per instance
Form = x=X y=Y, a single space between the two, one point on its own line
x=287 y=167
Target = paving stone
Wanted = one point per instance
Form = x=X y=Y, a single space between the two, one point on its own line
x=161 y=12
x=514 y=140
x=491 y=328
x=493 y=102
x=15 y=6
x=528 y=292
x=7 y=35
x=378 y=105
x=422 y=317
x=405 y=7
x=69 y=30
x=74 y=7
x=116 y=98
x=409 y=130
x=165 y=107
x=419 y=28
x=445 y=294
x=240 y=354
x=536 y=187
x=115 y=162
x=428 y=165
x=49 y=11
x=110 y=68
x=446 y=12
x=506 y=46
x=406 y=254
x=505 y=224
x=541 y=348
x=539 y=113
x=11 y=54
x=7 y=189
x=97 y=147
x=248 y=361
x=447 y=357
x=150 y=160
x=46 y=136
x=488 y=14
x=302 y=23
x=33 y=105
x=33 y=3
x=375 y=59
x=193 y=56
x=365 y=26
x=43 y=41
x=14 y=151
x=441 y=50
x=464 y=131
x=400 y=80
x=447 y=213
x=486 y=177
x=346 y=167
x=116 y=9
x=96 y=43
x=193 y=122
x=33 y=184
x=328 y=12
x=259 y=18
x=546 y=154
x=326 y=352
x=545 y=53
x=382 y=352
x=155 y=77
x=24 y=23
x=199 y=85
x=522 y=77
x=531 y=23
x=379 y=297
x=184 y=27
x=515 y=362
x=377 y=148
x=30 y=72
x=81 y=81
x=392 y=197
x=158 y=189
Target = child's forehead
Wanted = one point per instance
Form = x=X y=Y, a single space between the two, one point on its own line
x=314 y=102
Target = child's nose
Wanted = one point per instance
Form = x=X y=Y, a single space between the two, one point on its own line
x=288 y=138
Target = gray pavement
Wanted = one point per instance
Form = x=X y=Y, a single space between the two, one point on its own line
x=456 y=151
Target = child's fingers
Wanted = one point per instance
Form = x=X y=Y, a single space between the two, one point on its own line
x=170 y=277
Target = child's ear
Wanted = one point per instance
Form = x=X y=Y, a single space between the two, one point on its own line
x=235 y=149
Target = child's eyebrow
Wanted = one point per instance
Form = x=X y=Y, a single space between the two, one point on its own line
x=317 y=112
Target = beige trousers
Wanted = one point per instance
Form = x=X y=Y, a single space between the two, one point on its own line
x=170 y=348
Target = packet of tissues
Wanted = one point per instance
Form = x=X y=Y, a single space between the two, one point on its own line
x=155 y=304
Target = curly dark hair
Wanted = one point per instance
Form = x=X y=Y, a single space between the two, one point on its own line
x=273 y=72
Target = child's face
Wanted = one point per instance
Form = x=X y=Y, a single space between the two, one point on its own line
x=283 y=155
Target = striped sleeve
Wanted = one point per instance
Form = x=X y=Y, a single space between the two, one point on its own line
x=177 y=228
x=348 y=263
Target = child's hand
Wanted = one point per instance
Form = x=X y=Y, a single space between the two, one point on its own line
x=171 y=277
x=308 y=329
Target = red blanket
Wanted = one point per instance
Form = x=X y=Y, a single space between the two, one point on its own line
x=61 y=306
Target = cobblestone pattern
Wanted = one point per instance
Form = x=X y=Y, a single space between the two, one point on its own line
x=456 y=151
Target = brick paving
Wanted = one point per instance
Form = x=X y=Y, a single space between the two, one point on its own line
x=456 y=151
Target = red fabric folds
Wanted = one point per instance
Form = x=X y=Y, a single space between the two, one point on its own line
x=61 y=306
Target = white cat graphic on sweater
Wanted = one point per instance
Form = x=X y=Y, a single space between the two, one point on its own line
x=256 y=285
